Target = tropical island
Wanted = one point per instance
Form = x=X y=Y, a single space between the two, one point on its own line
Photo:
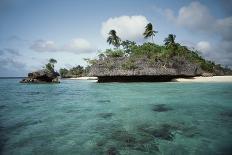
x=132 y=62
x=45 y=75
x=150 y=62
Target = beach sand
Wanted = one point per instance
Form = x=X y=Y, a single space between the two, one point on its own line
x=205 y=79
x=84 y=78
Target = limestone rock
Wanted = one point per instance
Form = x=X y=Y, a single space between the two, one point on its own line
x=42 y=76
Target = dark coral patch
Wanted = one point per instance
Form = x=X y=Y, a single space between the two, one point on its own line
x=190 y=131
x=106 y=115
x=112 y=151
x=125 y=138
x=164 y=132
x=103 y=101
x=227 y=113
x=161 y=108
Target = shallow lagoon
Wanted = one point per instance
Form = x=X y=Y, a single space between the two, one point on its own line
x=87 y=118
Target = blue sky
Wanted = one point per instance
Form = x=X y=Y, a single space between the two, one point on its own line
x=70 y=30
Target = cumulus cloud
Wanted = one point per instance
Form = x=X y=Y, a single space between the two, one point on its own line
x=77 y=45
x=197 y=18
x=203 y=46
x=215 y=52
x=43 y=46
x=127 y=27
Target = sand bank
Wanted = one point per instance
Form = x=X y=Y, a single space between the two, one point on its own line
x=205 y=79
x=84 y=78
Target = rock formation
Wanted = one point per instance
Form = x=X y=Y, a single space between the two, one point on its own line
x=122 y=69
x=42 y=76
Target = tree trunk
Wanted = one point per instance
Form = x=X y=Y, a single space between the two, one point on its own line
x=152 y=39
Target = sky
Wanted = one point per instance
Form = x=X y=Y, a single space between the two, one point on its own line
x=34 y=31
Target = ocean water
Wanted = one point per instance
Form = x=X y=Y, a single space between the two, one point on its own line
x=88 y=118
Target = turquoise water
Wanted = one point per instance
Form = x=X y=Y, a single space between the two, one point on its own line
x=87 y=118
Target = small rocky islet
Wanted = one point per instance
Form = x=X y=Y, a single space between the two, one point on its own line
x=46 y=75
x=42 y=76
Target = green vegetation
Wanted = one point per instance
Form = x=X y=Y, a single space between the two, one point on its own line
x=77 y=71
x=127 y=45
x=113 y=39
x=149 y=32
x=114 y=53
x=128 y=55
x=50 y=65
x=150 y=52
x=170 y=41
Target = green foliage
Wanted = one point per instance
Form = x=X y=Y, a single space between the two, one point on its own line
x=170 y=40
x=86 y=71
x=114 y=53
x=147 y=49
x=207 y=66
x=127 y=46
x=50 y=65
x=52 y=61
x=154 y=53
x=90 y=61
x=64 y=72
x=101 y=56
x=113 y=38
x=149 y=32
x=76 y=71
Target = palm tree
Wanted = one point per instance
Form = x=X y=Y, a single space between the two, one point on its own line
x=50 y=65
x=170 y=41
x=113 y=39
x=52 y=61
x=149 y=32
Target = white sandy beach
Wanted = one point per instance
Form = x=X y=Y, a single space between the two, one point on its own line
x=205 y=79
x=84 y=78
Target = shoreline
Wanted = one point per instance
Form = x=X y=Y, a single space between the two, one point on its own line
x=192 y=79
x=82 y=78
x=205 y=79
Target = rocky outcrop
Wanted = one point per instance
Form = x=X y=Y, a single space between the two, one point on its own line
x=124 y=69
x=42 y=76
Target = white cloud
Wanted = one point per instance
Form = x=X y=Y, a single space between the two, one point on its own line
x=197 y=18
x=203 y=46
x=216 y=52
x=77 y=45
x=194 y=16
x=43 y=46
x=127 y=27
